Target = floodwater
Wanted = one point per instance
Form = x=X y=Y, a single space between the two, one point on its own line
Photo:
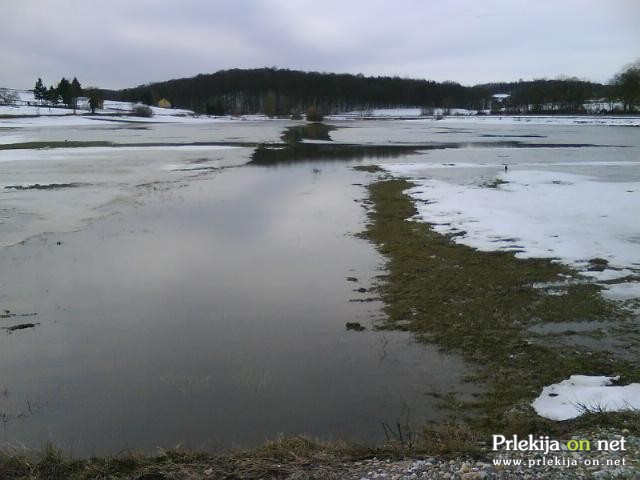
x=198 y=295
x=606 y=153
x=205 y=308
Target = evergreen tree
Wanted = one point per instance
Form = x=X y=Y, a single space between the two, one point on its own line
x=147 y=98
x=64 y=91
x=76 y=91
x=40 y=91
x=52 y=95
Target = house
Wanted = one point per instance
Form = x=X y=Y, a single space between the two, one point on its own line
x=164 y=103
x=82 y=103
x=499 y=101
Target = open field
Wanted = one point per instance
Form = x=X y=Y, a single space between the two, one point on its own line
x=189 y=283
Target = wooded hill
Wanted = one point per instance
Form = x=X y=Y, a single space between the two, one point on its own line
x=285 y=92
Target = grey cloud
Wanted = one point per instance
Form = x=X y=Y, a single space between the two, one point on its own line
x=122 y=43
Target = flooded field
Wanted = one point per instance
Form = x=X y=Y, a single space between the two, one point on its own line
x=197 y=292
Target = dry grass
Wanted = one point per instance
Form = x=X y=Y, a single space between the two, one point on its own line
x=294 y=457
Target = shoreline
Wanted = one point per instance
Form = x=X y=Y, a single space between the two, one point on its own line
x=298 y=457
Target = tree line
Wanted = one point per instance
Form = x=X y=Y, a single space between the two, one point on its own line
x=569 y=95
x=278 y=92
x=627 y=84
x=66 y=93
x=282 y=92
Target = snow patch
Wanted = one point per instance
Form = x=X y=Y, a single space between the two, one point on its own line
x=622 y=291
x=615 y=121
x=580 y=394
x=569 y=217
x=400 y=113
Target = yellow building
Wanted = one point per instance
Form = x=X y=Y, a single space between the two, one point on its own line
x=164 y=103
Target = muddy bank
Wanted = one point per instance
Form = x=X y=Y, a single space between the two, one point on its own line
x=296 y=458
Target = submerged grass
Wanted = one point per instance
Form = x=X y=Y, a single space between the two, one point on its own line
x=480 y=304
x=54 y=144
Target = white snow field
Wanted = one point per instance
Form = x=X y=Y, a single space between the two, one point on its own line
x=538 y=210
x=465 y=116
x=11 y=110
x=116 y=110
x=581 y=394
x=112 y=111
x=605 y=120
x=571 y=217
x=379 y=113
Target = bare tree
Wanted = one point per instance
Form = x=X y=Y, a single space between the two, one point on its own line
x=8 y=97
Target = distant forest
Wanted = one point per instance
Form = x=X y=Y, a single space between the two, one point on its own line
x=280 y=92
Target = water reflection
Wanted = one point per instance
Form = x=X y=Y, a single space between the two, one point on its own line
x=310 y=153
x=214 y=319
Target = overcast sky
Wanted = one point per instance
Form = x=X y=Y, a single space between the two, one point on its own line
x=122 y=43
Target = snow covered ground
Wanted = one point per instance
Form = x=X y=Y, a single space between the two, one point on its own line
x=471 y=116
x=111 y=106
x=28 y=105
x=29 y=113
x=537 y=214
x=87 y=119
x=399 y=113
x=10 y=110
x=114 y=110
x=605 y=120
x=574 y=205
x=379 y=113
x=580 y=394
